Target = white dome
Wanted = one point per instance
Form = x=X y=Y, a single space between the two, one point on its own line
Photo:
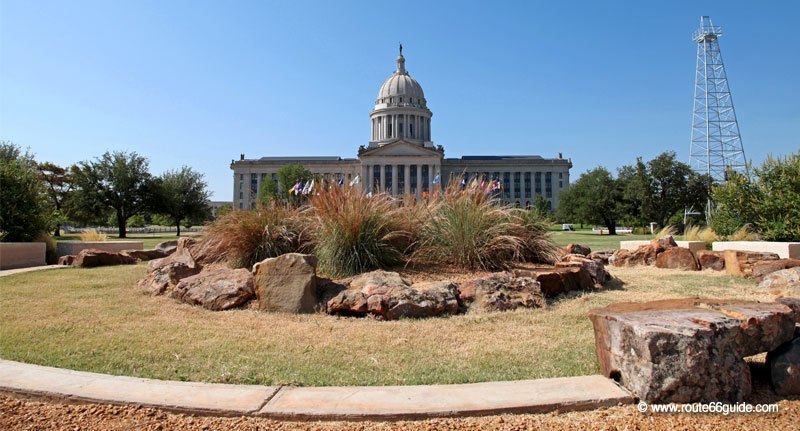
x=401 y=84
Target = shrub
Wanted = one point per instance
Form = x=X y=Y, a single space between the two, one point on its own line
x=92 y=235
x=243 y=238
x=539 y=246
x=744 y=233
x=352 y=232
x=768 y=200
x=24 y=210
x=467 y=228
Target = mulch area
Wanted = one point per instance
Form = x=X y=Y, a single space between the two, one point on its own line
x=22 y=414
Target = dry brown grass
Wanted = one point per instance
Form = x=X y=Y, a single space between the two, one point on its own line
x=92 y=235
x=95 y=320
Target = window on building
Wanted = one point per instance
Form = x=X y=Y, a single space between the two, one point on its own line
x=241 y=195
x=389 y=184
x=401 y=179
x=426 y=180
x=376 y=177
x=560 y=175
x=538 y=182
x=254 y=183
x=241 y=177
x=241 y=205
x=507 y=185
x=517 y=181
x=548 y=184
x=527 y=184
x=389 y=129
x=411 y=130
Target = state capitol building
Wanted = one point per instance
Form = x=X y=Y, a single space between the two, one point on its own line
x=401 y=157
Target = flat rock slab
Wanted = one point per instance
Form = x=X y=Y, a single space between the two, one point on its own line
x=416 y=402
x=317 y=403
x=188 y=397
x=687 y=350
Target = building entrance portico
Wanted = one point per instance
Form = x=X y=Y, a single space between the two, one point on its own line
x=400 y=167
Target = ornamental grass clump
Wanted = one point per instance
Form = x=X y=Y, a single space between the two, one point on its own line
x=469 y=229
x=539 y=245
x=243 y=238
x=353 y=232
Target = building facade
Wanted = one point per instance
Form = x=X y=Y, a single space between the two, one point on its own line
x=401 y=157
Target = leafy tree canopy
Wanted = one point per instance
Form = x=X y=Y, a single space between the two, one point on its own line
x=182 y=195
x=24 y=210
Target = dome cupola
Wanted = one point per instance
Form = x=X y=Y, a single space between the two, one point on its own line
x=401 y=111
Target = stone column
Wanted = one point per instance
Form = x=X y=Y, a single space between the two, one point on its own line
x=407 y=178
x=383 y=178
x=394 y=180
x=419 y=181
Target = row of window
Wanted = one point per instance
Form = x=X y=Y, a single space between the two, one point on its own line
x=391 y=100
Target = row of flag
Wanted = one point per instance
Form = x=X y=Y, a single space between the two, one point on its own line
x=307 y=188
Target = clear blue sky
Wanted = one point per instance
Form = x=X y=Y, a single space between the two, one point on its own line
x=199 y=82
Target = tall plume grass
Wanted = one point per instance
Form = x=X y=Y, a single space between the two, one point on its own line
x=354 y=233
x=243 y=238
x=666 y=231
x=92 y=235
x=744 y=233
x=469 y=229
x=697 y=233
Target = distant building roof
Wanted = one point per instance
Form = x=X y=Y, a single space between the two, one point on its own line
x=282 y=159
x=500 y=157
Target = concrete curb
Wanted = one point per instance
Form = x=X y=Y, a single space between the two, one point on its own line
x=316 y=403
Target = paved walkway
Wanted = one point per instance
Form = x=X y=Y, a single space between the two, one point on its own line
x=6 y=272
x=316 y=403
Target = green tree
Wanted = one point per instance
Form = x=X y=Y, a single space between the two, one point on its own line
x=182 y=195
x=596 y=197
x=24 y=211
x=58 y=184
x=268 y=191
x=118 y=181
x=661 y=188
x=769 y=200
x=290 y=175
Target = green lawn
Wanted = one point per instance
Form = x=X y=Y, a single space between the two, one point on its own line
x=595 y=241
x=97 y=320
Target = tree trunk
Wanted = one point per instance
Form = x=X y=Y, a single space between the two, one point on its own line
x=57 y=232
x=611 y=225
x=178 y=226
x=121 y=223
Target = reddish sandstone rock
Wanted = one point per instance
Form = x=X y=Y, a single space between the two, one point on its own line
x=784 y=368
x=561 y=279
x=286 y=283
x=644 y=255
x=164 y=274
x=387 y=296
x=687 y=350
x=578 y=249
x=663 y=243
x=66 y=260
x=146 y=254
x=502 y=291
x=216 y=290
x=763 y=268
x=91 y=258
x=740 y=263
x=677 y=258
x=785 y=282
x=601 y=255
x=709 y=259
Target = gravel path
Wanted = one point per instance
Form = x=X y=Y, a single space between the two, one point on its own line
x=20 y=414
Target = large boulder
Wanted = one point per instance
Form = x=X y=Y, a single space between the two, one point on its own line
x=91 y=258
x=168 y=247
x=67 y=260
x=709 y=259
x=644 y=255
x=562 y=279
x=677 y=258
x=595 y=267
x=785 y=282
x=687 y=350
x=286 y=283
x=146 y=254
x=578 y=249
x=164 y=274
x=385 y=295
x=216 y=290
x=601 y=255
x=784 y=368
x=740 y=263
x=501 y=292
